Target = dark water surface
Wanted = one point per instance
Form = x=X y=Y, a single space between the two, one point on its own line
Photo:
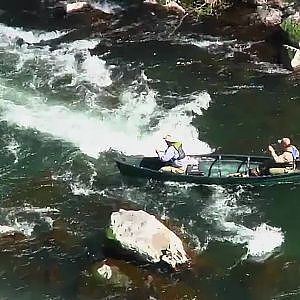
x=63 y=120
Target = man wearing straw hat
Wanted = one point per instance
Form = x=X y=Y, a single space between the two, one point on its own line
x=174 y=156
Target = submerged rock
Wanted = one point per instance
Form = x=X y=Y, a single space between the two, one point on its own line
x=112 y=275
x=142 y=233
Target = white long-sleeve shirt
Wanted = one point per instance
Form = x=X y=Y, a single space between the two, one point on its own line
x=171 y=154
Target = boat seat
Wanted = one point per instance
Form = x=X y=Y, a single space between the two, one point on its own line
x=194 y=170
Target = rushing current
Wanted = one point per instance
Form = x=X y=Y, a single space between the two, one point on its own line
x=65 y=115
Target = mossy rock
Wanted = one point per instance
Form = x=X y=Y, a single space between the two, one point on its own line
x=110 y=235
x=292 y=28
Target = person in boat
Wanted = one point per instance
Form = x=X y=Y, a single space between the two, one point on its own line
x=174 y=157
x=280 y=164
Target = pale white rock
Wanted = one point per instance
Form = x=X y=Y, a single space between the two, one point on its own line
x=143 y=233
x=270 y=16
x=174 y=6
x=295 y=63
x=75 y=6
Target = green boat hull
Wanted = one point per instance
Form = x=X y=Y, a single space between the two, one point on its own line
x=212 y=169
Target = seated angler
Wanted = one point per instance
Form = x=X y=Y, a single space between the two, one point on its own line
x=174 y=156
x=280 y=164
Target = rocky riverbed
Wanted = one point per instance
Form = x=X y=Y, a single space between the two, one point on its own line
x=270 y=27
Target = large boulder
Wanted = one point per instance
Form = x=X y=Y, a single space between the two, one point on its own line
x=142 y=234
x=291 y=27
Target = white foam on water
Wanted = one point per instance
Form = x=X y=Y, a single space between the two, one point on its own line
x=124 y=129
x=206 y=44
x=73 y=59
x=14 y=147
x=20 y=218
x=9 y=35
x=80 y=188
x=136 y=126
x=265 y=239
x=95 y=71
x=260 y=242
x=209 y=42
x=178 y=120
x=138 y=111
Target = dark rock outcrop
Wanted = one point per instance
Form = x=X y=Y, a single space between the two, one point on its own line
x=255 y=21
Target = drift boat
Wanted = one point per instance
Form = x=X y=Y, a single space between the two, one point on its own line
x=207 y=169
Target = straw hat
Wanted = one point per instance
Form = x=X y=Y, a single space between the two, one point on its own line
x=170 y=138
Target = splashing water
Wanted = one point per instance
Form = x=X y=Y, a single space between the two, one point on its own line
x=260 y=241
x=265 y=239
x=73 y=59
x=126 y=129
x=14 y=148
x=17 y=219
x=121 y=129
x=9 y=35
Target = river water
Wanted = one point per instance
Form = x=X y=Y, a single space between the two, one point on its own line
x=65 y=115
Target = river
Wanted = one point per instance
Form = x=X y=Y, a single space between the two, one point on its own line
x=65 y=115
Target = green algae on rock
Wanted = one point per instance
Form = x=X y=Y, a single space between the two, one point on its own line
x=292 y=27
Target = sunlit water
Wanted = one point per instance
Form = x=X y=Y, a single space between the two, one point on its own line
x=66 y=114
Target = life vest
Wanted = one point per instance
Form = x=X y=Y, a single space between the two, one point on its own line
x=178 y=147
x=295 y=152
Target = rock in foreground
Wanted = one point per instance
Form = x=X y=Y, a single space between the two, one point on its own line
x=142 y=233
